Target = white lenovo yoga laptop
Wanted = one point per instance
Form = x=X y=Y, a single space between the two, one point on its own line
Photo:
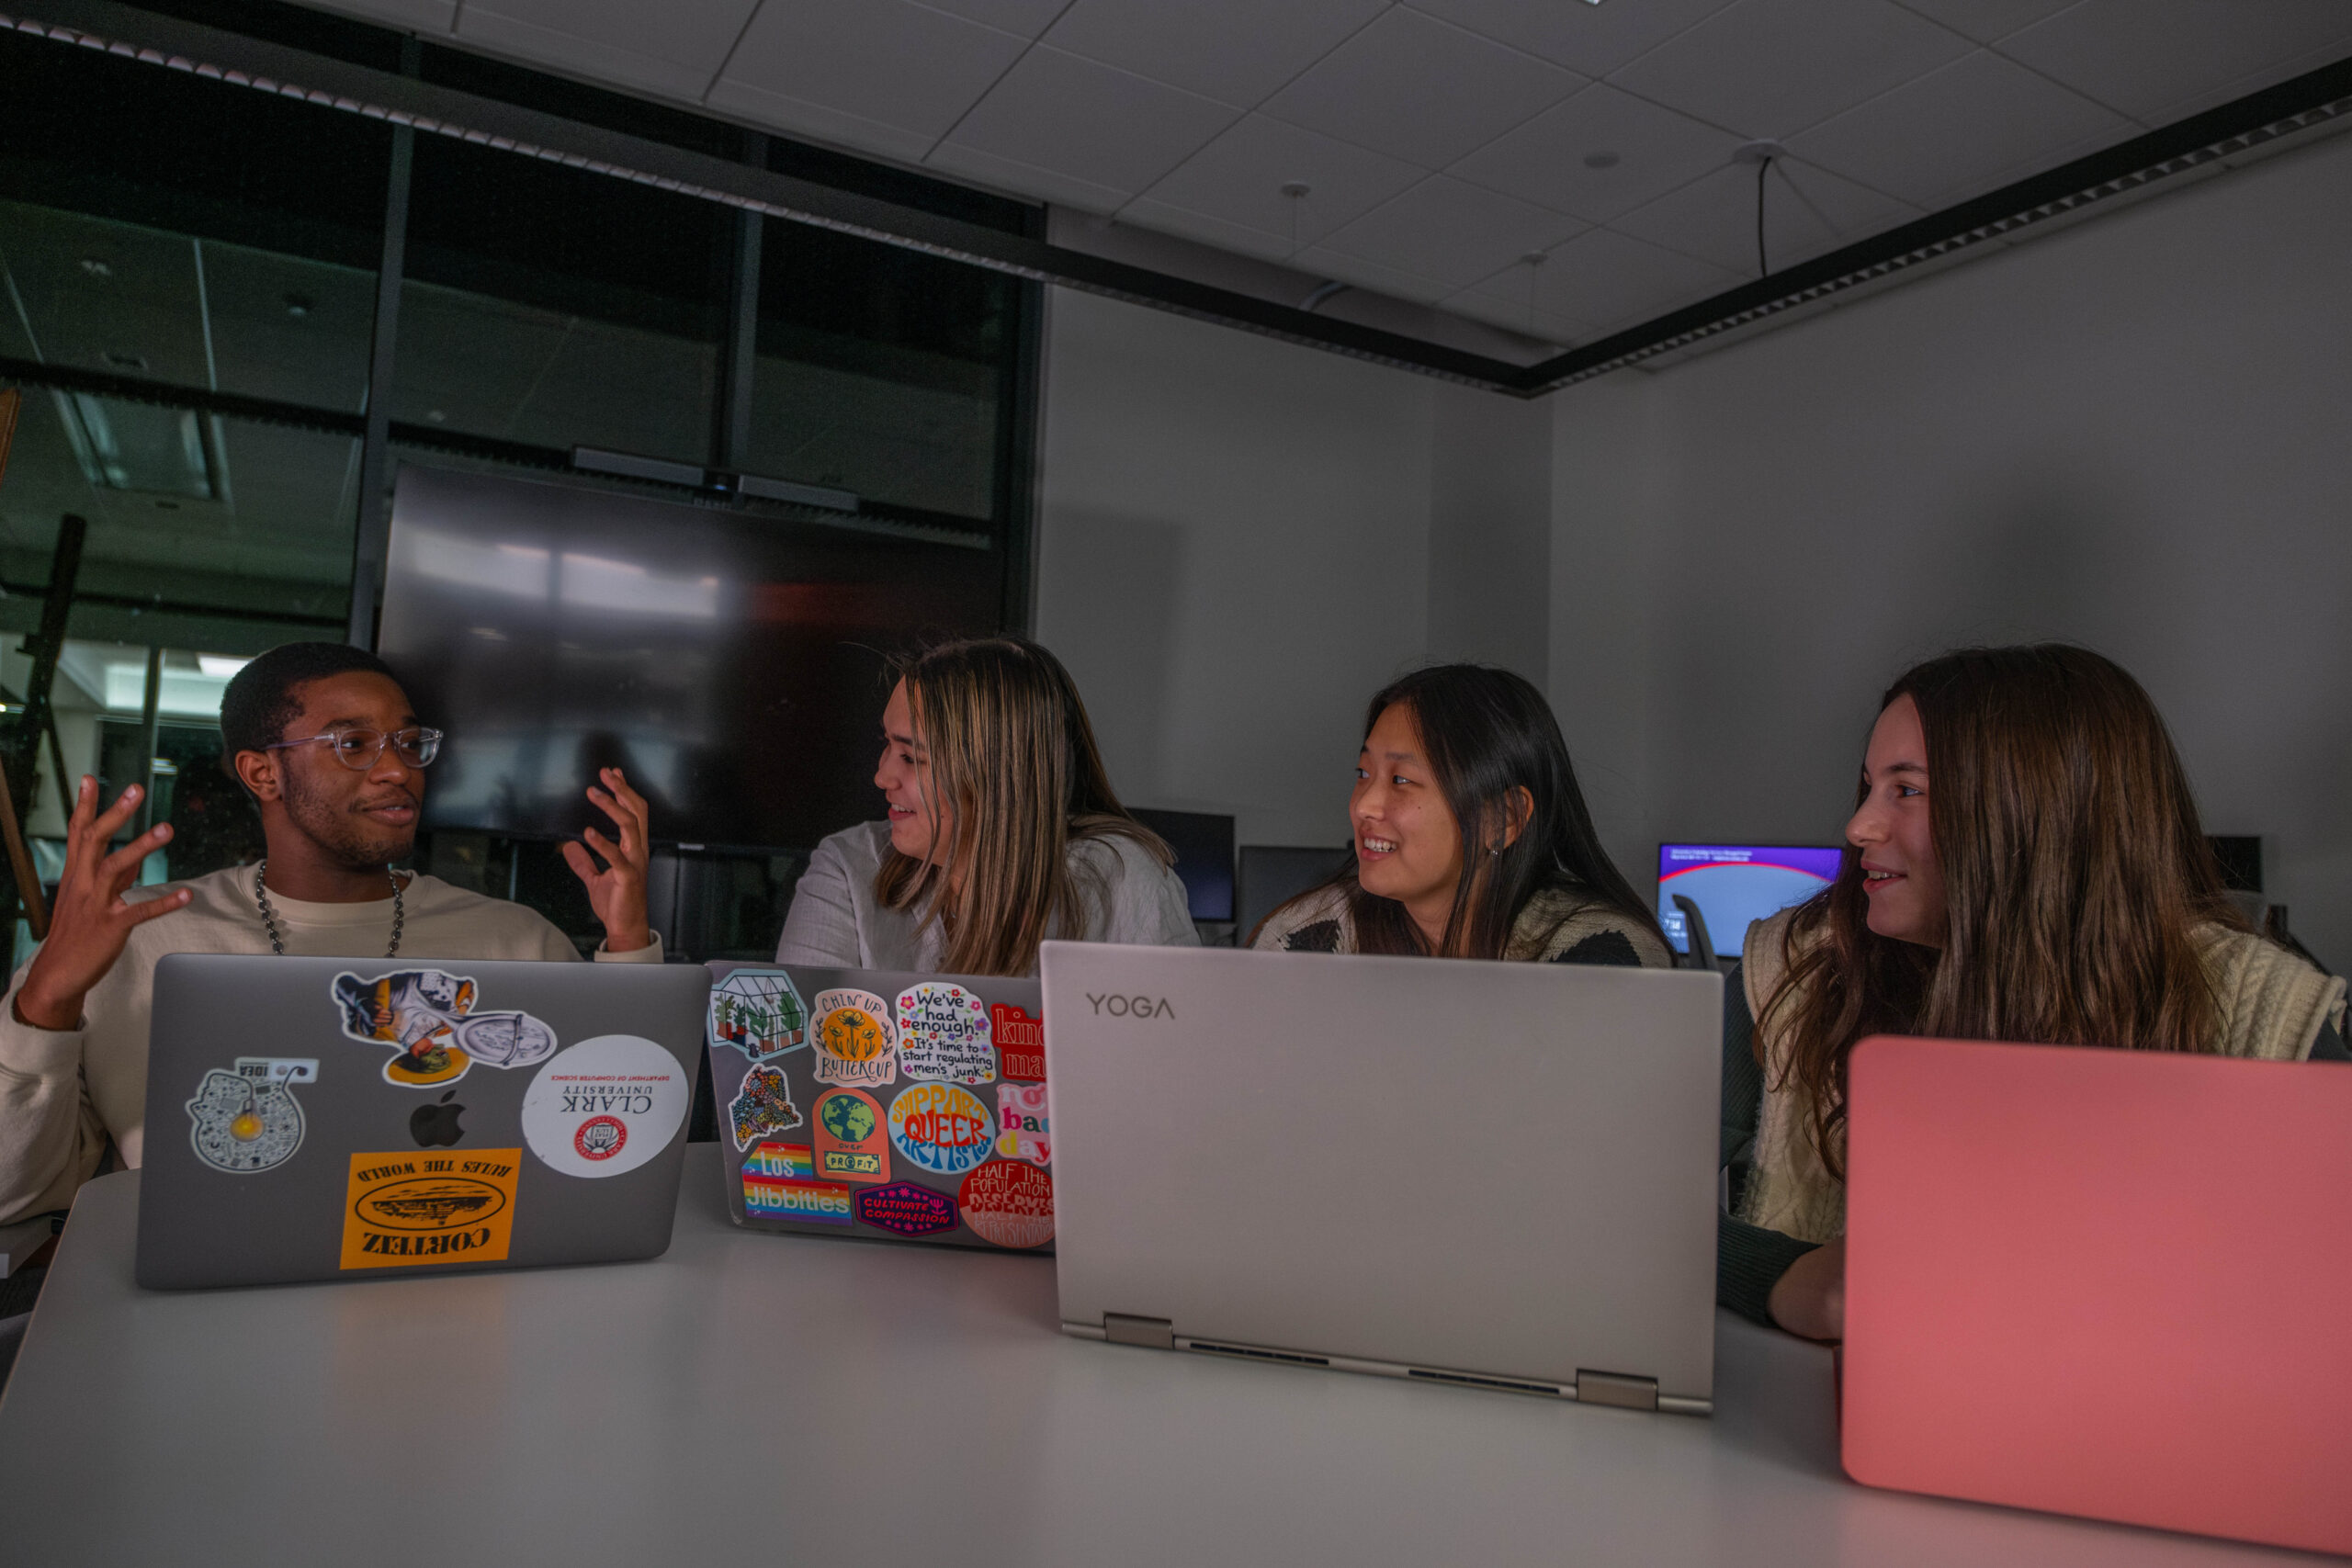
x=1500 y=1175
x=363 y=1119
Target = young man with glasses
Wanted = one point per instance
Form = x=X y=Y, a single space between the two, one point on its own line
x=322 y=739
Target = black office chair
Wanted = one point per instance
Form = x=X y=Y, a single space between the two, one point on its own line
x=1694 y=927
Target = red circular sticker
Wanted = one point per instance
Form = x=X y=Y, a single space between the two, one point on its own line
x=600 y=1137
x=1009 y=1203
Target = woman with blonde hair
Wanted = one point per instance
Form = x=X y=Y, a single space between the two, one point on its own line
x=1002 y=830
x=2026 y=864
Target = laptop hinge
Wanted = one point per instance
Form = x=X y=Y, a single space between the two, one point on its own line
x=1616 y=1388
x=1153 y=1333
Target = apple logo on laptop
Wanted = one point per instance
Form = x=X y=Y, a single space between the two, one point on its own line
x=435 y=1125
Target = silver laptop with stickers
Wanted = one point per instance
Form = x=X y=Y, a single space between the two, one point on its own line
x=894 y=1106
x=352 y=1118
x=1496 y=1175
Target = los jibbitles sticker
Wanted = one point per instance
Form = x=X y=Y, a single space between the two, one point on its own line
x=242 y=1125
x=942 y=1127
x=411 y=1209
x=855 y=1042
x=943 y=1035
x=759 y=1013
x=605 y=1106
x=429 y=1015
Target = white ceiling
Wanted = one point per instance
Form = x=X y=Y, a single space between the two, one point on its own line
x=1444 y=144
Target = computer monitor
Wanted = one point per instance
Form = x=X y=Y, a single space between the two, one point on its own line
x=1203 y=845
x=1736 y=885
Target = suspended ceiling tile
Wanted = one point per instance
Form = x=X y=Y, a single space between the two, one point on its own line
x=1091 y=122
x=2159 y=59
x=1453 y=232
x=1512 y=312
x=1029 y=18
x=1238 y=179
x=1650 y=152
x=1773 y=67
x=886 y=61
x=1807 y=211
x=1012 y=176
x=1344 y=268
x=1144 y=212
x=1607 y=278
x=1420 y=89
x=674 y=51
x=1232 y=50
x=1961 y=128
x=796 y=118
x=1986 y=20
x=1593 y=39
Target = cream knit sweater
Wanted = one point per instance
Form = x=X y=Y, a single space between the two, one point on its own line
x=65 y=1094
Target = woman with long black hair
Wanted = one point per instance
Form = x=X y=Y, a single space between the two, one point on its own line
x=1472 y=840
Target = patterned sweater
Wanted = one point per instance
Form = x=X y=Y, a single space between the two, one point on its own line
x=1558 y=925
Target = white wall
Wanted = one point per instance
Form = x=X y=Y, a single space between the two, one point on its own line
x=2131 y=435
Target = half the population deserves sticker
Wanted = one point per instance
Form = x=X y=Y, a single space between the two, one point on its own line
x=605 y=1106
x=944 y=1036
x=1008 y=1203
x=855 y=1042
x=408 y=1210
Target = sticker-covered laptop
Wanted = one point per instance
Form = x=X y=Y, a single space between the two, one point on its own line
x=352 y=1119
x=890 y=1105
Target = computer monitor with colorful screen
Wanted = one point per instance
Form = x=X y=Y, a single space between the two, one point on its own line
x=1736 y=885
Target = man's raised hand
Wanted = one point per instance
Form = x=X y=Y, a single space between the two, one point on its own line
x=91 y=920
x=617 y=889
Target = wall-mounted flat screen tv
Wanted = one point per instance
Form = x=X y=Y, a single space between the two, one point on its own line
x=732 y=662
x=1737 y=884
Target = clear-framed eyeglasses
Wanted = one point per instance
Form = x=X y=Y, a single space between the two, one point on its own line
x=359 y=749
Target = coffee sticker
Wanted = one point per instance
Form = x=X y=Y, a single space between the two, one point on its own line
x=411 y=1209
x=857 y=1044
x=904 y=1209
x=1022 y=1132
x=763 y=1105
x=941 y=1127
x=1020 y=1043
x=1008 y=1203
x=853 y=1137
x=944 y=1036
x=605 y=1106
x=243 y=1125
x=758 y=1012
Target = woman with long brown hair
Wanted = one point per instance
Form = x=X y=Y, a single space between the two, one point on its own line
x=1002 y=830
x=2052 y=886
x=1472 y=840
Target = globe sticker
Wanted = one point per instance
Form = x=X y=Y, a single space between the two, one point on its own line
x=429 y=1015
x=943 y=1035
x=852 y=1141
x=856 y=1043
x=1008 y=1203
x=1022 y=1132
x=243 y=1125
x=759 y=1013
x=941 y=1127
x=605 y=1106
x=763 y=1105
x=904 y=1209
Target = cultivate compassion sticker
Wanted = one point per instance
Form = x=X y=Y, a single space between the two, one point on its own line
x=853 y=1139
x=942 y=1127
x=904 y=1209
x=605 y=1106
x=855 y=1042
x=1009 y=1203
x=411 y=1209
x=944 y=1036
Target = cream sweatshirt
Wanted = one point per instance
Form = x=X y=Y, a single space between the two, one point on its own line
x=65 y=1093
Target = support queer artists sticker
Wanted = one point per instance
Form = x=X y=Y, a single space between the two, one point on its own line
x=942 y=1127
x=1009 y=1203
x=605 y=1106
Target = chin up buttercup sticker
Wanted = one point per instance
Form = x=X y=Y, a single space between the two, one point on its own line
x=605 y=1106
x=853 y=1137
x=243 y=1125
x=944 y=1036
x=1022 y=1130
x=1008 y=1203
x=411 y=1210
x=1020 y=1043
x=763 y=1105
x=758 y=1012
x=941 y=1127
x=428 y=1014
x=903 y=1209
x=856 y=1046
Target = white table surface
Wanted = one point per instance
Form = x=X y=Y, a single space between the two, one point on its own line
x=763 y=1399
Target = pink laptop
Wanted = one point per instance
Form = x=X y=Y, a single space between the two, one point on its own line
x=2113 y=1283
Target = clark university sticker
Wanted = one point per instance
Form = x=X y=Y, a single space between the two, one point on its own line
x=413 y=1209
